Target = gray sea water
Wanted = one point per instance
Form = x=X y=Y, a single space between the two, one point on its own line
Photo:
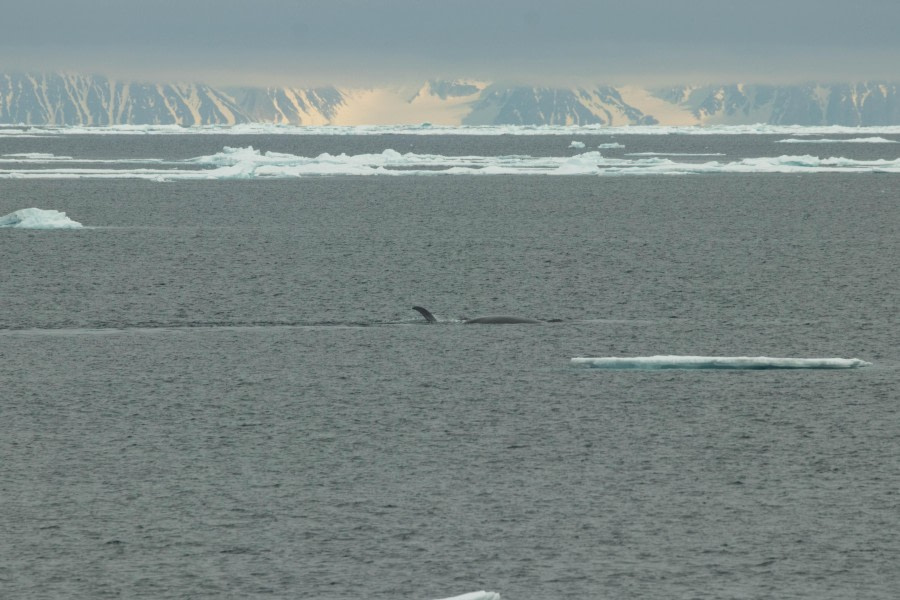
x=218 y=389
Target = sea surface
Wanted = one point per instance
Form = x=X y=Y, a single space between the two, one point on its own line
x=217 y=388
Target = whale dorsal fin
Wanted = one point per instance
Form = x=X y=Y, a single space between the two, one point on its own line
x=425 y=313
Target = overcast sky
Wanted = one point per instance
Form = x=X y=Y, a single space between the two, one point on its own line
x=306 y=42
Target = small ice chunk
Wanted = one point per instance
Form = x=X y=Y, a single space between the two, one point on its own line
x=477 y=596
x=717 y=362
x=576 y=144
x=37 y=218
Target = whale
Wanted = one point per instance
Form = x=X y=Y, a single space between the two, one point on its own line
x=490 y=320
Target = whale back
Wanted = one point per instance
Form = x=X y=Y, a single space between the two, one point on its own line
x=492 y=320
x=425 y=313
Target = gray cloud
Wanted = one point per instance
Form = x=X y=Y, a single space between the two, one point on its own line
x=405 y=40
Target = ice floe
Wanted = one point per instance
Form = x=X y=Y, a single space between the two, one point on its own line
x=717 y=362
x=576 y=144
x=37 y=218
x=675 y=154
x=24 y=157
x=250 y=163
x=477 y=596
x=430 y=129
x=865 y=140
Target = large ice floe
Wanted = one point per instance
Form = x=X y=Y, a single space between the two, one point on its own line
x=250 y=163
x=429 y=129
x=865 y=140
x=717 y=362
x=37 y=218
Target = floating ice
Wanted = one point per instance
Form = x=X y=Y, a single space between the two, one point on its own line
x=477 y=596
x=36 y=218
x=429 y=129
x=32 y=157
x=249 y=163
x=675 y=154
x=576 y=144
x=718 y=362
x=865 y=140
x=610 y=146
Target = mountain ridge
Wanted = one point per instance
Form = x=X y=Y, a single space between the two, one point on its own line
x=95 y=100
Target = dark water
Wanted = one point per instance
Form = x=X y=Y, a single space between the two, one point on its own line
x=218 y=389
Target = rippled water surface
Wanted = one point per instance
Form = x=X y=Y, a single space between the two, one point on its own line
x=218 y=389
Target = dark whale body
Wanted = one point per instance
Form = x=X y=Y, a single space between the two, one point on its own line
x=495 y=320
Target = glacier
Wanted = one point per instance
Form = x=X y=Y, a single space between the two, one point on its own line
x=37 y=218
x=717 y=362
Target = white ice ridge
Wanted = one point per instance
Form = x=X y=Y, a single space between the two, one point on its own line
x=24 y=157
x=675 y=154
x=610 y=146
x=36 y=218
x=477 y=596
x=42 y=158
x=428 y=129
x=864 y=140
x=717 y=362
x=249 y=163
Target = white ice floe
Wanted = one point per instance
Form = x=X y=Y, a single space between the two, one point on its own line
x=430 y=129
x=250 y=163
x=675 y=154
x=865 y=140
x=27 y=157
x=477 y=596
x=576 y=144
x=36 y=218
x=610 y=146
x=43 y=157
x=717 y=362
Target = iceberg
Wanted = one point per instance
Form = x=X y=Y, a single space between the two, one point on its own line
x=37 y=218
x=717 y=362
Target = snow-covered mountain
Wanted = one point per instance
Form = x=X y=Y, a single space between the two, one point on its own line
x=68 y=99
x=287 y=105
x=602 y=105
x=860 y=104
